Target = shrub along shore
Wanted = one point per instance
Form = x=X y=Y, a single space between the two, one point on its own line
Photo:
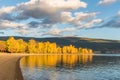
x=13 y=45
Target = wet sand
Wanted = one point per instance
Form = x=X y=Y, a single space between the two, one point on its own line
x=10 y=66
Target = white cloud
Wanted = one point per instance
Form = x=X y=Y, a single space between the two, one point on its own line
x=58 y=32
x=92 y=22
x=47 y=8
x=5 y=10
x=84 y=16
x=46 y=14
x=86 y=20
x=51 y=12
x=4 y=24
x=62 y=4
x=106 y=2
x=66 y=17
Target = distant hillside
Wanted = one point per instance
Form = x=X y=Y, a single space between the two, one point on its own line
x=95 y=44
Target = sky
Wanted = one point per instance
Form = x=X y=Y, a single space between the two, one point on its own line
x=60 y=18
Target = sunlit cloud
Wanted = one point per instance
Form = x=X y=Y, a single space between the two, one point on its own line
x=4 y=24
x=42 y=15
x=58 y=32
x=47 y=14
x=107 y=2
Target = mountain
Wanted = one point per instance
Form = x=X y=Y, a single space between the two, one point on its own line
x=95 y=44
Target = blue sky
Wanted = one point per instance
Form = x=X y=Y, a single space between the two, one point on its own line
x=58 y=18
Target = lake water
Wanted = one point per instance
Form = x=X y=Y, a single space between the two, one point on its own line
x=71 y=67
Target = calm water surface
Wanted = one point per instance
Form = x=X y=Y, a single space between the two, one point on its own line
x=71 y=67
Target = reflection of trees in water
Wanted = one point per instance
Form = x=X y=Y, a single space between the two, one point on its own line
x=69 y=60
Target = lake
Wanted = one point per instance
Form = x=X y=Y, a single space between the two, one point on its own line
x=71 y=67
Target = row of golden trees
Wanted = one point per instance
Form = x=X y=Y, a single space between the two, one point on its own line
x=13 y=45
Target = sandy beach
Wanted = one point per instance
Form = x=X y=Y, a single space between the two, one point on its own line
x=10 y=66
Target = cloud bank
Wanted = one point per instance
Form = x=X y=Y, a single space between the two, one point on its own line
x=43 y=15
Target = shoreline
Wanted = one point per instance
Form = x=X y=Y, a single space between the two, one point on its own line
x=10 y=67
x=10 y=64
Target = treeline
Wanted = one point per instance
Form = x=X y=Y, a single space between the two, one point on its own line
x=13 y=45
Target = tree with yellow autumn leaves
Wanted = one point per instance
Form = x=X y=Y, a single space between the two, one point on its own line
x=16 y=46
x=3 y=46
x=13 y=45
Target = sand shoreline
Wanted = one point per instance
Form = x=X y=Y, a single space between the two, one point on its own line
x=10 y=66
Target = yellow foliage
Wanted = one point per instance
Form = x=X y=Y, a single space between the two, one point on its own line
x=3 y=46
x=13 y=45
